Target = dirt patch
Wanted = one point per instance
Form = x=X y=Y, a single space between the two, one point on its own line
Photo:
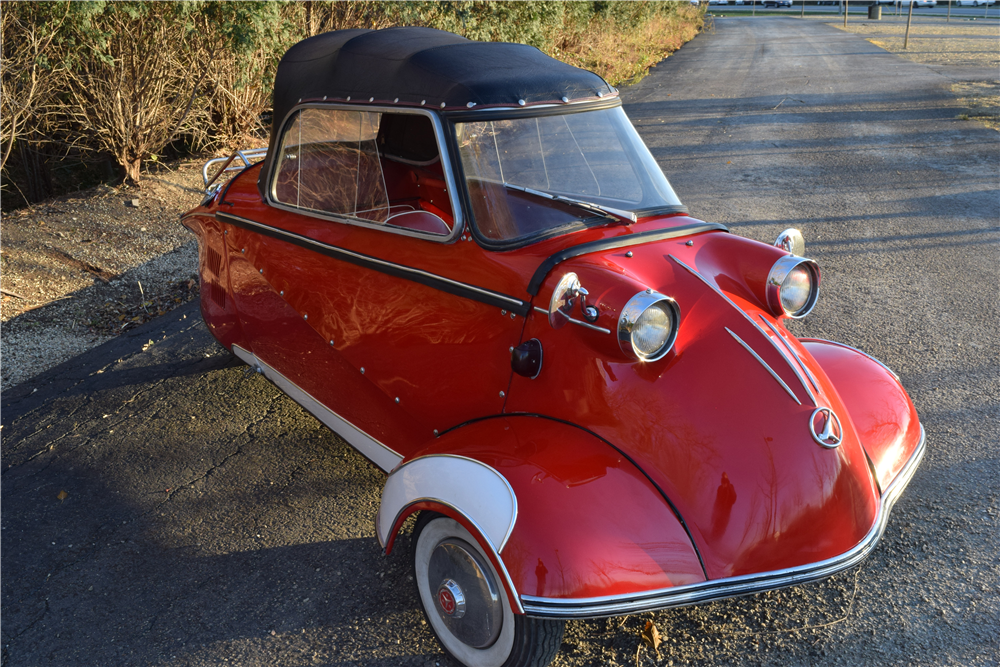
x=955 y=44
x=78 y=270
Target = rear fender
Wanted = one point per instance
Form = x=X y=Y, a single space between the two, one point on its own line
x=217 y=305
x=882 y=413
x=581 y=520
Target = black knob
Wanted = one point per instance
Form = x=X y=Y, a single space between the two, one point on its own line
x=526 y=358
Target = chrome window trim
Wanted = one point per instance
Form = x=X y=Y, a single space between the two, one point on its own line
x=458 y=221
x=718 y=589
x=373 y=450
x=510 y=112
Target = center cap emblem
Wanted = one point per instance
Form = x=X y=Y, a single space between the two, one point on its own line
x=824 y=425
x=450 y=599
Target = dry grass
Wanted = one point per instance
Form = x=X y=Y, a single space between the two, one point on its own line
x=624 y=56
x=959 y=43
x=982 y=98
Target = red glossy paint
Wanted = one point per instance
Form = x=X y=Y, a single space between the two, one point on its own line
x=217 y=305
x=883 y=414
x=589 y=523
x=706 y=426
x=709 y=425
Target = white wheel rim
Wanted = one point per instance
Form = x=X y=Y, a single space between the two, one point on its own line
x=493 y=656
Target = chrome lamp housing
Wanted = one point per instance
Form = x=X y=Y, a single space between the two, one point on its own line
x=647 y=326
x=792 y=286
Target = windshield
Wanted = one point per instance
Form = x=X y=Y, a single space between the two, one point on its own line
x=514 y=168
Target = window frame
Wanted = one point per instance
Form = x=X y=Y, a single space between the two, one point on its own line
x=517 y=113
x=458 y=217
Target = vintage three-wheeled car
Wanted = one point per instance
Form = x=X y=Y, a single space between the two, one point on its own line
x=462 y=258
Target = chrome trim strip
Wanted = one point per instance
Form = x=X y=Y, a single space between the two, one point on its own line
x=303 y=241
x=764 y=364
x=722 y=294
x=382 y=456
x=718 y=589
x=862 y=353
x=788 y=359
x=791 y=349
x=585 y=325
x=751 y=321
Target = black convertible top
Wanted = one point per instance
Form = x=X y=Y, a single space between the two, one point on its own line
x=428 y=67
x=423 y=67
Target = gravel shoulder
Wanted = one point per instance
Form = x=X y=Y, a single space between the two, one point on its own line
x=81 y=269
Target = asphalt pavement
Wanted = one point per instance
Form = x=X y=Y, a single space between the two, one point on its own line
x=164 y=505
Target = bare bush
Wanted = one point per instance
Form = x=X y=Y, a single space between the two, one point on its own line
x=136 y=93
x=28 y=77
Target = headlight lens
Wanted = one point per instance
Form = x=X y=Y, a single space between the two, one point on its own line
x=795 y=290
x=792 y=286
x=647 y=326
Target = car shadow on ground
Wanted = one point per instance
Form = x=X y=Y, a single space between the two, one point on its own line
x=144 y=520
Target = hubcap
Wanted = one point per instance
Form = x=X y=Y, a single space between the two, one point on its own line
x=467 y=599
x=451 y=599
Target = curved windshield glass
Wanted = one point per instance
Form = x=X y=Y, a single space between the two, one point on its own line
x=532 y=176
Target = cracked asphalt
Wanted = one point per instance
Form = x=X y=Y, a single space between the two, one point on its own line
x=163 y=505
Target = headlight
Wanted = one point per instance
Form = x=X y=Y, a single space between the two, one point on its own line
x=647 y=326
x=792 y=286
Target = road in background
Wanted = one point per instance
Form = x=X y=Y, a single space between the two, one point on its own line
x=163 y=505
x=858 y=9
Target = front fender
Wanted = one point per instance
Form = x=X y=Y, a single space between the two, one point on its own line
x=587 y=522
x=882 y=413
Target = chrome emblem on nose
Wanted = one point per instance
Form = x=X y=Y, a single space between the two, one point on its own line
x=824 y=425
x=451 y=599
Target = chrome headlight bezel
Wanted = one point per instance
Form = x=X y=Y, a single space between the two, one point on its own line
x=776 y=279
x=630 y=314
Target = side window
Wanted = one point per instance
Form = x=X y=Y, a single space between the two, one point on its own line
x=379 y=168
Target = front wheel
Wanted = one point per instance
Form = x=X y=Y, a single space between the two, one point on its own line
x=466 y=604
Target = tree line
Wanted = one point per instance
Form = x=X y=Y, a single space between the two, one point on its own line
x=92 y=91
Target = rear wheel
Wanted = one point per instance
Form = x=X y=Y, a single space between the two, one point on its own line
x=466 y=604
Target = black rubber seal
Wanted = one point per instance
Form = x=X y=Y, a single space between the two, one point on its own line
x=617 y=242
x=419 y=276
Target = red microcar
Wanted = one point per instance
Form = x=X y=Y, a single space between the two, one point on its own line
x=461 y=257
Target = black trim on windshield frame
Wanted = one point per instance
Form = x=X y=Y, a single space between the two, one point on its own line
x=617 y=242
x=419 y=276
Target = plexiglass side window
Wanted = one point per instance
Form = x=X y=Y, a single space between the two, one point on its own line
x=366 y=166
